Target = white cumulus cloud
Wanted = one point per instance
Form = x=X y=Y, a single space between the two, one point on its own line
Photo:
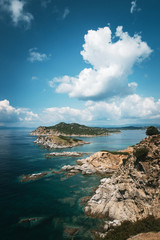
x=35 y=56
x=112 y=59
x=131 y=108
x=10 y=115
x=17 y=12
x=53 y=115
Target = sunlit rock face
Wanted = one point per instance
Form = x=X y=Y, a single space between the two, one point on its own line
x=133 y=192
x=146 y=236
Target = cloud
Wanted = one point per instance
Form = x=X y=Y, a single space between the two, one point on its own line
x=16 y=10
x=112 y=59
x=134 y=7
x=66 y=13
x=52 y=115
x=44 y=3
x=132 y=108
x=35 y=56
x=10 y=115
x=34 y=78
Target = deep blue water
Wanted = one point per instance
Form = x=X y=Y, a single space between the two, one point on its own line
x=53 y=198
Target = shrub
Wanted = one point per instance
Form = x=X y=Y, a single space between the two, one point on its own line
x=152 y=131
x=141 y=153
x=128 y=229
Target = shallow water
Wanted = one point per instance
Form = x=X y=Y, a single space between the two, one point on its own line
x=56 y=201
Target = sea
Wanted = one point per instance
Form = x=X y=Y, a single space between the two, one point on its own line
x=53 y=203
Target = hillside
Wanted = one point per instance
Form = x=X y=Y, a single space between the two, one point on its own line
x=133 y=192
x=73 y=129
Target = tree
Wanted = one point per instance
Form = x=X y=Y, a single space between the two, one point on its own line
x=152 y=131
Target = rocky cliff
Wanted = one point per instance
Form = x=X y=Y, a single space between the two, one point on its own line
x=133 y=191
x=103 y=162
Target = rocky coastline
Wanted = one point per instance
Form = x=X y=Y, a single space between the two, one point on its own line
x=132 y=192
x=130 y=187
x=58 y=142
x=65 y=154
x=104 y=163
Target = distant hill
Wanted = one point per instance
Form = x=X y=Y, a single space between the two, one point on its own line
x=72 y=129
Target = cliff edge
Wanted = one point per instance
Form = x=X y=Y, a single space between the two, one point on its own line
x=133 y=191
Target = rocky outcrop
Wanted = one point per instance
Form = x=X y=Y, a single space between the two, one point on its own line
x=32 y=177
x=146 y=236
x=53 y=142
x=66 y=154
x=133 y=192
x=101 y=162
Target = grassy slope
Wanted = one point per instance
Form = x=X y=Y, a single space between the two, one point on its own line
x=77 y=129
x=62 y=140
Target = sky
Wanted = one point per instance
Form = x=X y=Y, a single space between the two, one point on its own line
x=94 y=62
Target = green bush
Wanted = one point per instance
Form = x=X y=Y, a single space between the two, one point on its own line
x=127 y=229
x=152 y=131
x=141 y=153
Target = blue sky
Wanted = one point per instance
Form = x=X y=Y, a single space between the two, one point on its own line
x=94 y=62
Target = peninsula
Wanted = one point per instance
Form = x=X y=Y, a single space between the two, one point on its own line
x=72 y=129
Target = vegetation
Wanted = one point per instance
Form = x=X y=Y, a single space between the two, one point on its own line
x=152 y=131
x=141 y=153
x=63 y=140
x=116 y=152
x=77 y=129
x=128 y=229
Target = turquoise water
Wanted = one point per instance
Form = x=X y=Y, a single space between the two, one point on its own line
x=53 y=200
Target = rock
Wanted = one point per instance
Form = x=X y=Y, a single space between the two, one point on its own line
x=109 y=224
x=146 y=236
x=133 y=192
x=66 y=154
x=101 y=162
x=31 y=221
x=71 y=231
x=31 y=177
x=53 y=141
x=84 y=200
x=67 y=168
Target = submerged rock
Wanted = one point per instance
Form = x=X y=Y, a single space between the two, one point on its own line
x=71 y=231
x=31 y=221
x=33 y=176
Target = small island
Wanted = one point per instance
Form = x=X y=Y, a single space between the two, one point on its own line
x=62 y=135
x=72 y=129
